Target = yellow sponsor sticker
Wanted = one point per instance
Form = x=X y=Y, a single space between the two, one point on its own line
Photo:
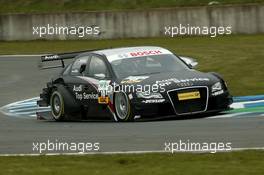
x=189 y=95
x=103 y=100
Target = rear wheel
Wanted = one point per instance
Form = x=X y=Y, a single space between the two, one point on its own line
x=122 y=107
x=57 y=106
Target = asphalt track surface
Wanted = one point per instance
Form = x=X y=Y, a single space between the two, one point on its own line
x=21 y=79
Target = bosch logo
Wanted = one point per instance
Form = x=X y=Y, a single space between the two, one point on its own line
x=145 y=53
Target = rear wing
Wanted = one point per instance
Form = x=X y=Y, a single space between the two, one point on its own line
x=59 y=57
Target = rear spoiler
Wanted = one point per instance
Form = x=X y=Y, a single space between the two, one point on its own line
x=59 y=57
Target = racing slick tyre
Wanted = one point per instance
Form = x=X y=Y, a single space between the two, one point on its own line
x=57 y=105
x=123 y=109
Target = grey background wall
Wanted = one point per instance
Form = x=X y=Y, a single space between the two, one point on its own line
x=150 y=23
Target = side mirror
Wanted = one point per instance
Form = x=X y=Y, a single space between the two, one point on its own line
x=82 y=68
x=191 y=62
x=100 y=76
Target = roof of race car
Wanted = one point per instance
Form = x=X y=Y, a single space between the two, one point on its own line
x=130 y=52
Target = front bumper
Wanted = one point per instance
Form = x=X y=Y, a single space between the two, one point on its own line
x=158 y=110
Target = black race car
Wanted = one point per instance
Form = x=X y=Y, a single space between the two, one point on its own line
x=131 y=83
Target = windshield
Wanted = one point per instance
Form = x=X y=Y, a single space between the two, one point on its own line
x=147 y=65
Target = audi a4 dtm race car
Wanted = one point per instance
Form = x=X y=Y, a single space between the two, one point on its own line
x=129 y=83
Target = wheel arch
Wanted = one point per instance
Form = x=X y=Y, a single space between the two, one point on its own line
x=71 y=104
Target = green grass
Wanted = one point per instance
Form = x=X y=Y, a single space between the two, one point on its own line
x=239 y=58
x=241 y=163
x=29 y=6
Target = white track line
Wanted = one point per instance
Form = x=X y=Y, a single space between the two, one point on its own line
x=239 y=105
x=129 y=152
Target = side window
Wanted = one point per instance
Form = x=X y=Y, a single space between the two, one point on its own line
x=79 y=65
x=98 y=68
x=67 y=70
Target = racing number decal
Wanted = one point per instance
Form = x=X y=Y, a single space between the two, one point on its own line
x=104 y=89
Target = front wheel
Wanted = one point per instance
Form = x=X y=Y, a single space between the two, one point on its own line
x=122 y=107
x=57 y=106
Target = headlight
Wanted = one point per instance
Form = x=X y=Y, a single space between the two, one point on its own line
x=148 y=95
x=217 y=89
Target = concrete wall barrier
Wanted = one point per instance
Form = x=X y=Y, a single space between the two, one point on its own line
x=247 y=19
